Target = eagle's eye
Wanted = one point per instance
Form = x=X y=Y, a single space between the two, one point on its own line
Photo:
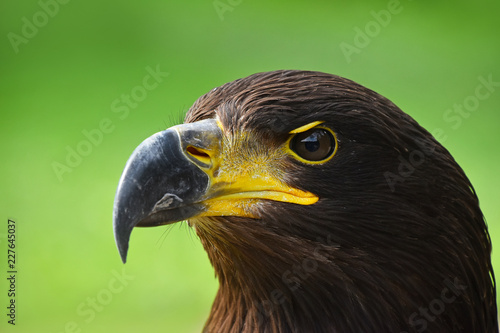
x=314 y=145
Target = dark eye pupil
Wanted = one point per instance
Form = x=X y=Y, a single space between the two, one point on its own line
x=313 y=145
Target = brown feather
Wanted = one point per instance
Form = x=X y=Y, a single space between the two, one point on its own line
x=371 y=253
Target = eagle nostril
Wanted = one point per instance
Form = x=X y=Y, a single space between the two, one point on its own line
x=199 y=154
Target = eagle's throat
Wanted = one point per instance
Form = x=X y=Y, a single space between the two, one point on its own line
x=264 y=281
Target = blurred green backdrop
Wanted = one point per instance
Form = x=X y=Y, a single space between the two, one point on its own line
x=65 y=67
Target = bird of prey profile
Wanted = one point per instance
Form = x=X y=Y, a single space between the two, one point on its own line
x=322 y=207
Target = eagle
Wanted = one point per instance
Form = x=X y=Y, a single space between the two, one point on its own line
x=322 y=207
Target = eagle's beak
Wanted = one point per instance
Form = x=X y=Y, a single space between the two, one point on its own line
x=181 y=173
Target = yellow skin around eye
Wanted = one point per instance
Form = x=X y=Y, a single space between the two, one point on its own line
x=306 y=128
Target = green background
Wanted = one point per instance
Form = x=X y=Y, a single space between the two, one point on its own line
x=63 y=81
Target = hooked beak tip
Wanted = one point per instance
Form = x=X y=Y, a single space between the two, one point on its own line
x=122 y=237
